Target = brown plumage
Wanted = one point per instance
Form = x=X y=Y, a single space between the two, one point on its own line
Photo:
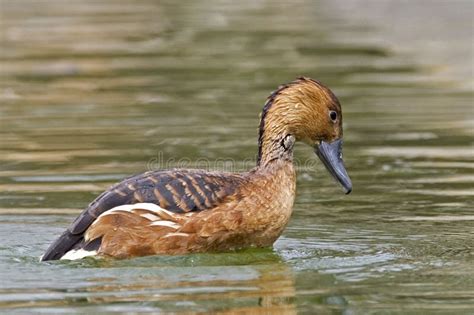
x=183 y=211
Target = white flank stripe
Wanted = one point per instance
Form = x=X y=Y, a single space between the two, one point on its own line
x=176 y=234
x=78 y=254
x=150 y=216
x=166 y=223
x=144 y=205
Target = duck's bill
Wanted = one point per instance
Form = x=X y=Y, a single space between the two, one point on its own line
x=331 y=156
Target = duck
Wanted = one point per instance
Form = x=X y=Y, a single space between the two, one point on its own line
x=183 y=211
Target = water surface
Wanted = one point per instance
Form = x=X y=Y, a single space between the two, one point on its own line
x=93 y=91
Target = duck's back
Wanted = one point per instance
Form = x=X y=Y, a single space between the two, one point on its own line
x=177 y=191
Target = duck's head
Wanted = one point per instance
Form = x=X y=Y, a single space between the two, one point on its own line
x=305 y=110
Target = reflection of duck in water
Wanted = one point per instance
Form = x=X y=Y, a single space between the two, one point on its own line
x=183 y=211
x=247 y=282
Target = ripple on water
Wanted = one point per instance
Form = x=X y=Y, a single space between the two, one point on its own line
x=347 y=261
x=68 y=178
x=452 y=152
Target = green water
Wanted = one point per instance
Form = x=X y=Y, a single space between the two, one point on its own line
x=93 y=91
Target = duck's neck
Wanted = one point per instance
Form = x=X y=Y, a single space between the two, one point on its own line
x=274 y=141
x=276 y=149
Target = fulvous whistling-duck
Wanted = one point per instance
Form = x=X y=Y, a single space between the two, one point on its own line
x=183 y=211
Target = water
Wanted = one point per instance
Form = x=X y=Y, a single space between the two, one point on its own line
x=92 y=91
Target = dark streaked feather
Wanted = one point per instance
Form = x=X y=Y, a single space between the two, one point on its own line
x=93 y=245
x=178 y=191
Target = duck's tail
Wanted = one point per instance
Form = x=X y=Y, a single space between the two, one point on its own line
x=62 y=245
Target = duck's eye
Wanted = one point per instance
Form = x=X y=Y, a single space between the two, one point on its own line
x=333 y=115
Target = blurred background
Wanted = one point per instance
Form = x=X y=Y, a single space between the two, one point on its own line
x=92 y=91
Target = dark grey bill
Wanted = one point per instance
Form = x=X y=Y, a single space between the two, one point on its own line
x=331 y=155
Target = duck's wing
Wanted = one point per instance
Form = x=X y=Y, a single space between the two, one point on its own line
x=178 y=191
